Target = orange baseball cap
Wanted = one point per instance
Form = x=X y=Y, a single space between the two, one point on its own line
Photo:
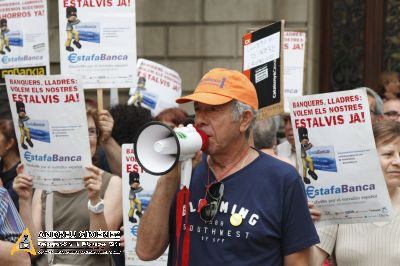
x=220 y=86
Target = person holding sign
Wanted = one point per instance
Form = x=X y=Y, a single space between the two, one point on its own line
x=245 y=207
x=96 y=207
x=369 y=243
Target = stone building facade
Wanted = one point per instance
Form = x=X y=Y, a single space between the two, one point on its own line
x=193 y=36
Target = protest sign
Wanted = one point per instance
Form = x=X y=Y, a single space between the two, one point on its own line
x=24 y=45
x=138 y=187
x=158 y=87
x=98 y=42
x=263 y=65
x=294 y=46
x=51 y=127
x=337 y=160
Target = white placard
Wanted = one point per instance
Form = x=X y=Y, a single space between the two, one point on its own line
x=261 y=51
x=107 y=35
x=162 y=86
x=54 y=145
x=350 y=187
x=27 y=52
x=135 y=206
x=293 y=69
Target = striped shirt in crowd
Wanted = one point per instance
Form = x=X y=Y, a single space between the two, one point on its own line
x=11 y=225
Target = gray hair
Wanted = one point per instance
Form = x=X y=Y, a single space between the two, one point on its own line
x=265 y=134
x=238 y=108
x=378 y=100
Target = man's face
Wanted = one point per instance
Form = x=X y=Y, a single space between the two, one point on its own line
x=372 y=108
x=216 y=122
x=288 y=129
x=391 y=110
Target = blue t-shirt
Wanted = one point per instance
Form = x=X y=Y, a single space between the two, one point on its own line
x=270 y=196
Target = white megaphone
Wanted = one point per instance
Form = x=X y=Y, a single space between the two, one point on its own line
x=158 y=148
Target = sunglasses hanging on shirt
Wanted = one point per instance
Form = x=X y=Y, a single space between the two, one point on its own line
x=208 y=207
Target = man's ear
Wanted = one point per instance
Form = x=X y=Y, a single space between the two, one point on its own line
x=245 y=120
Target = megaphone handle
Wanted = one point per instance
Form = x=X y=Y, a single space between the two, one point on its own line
x=186 y=172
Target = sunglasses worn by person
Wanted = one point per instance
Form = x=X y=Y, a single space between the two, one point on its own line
x=213 y=197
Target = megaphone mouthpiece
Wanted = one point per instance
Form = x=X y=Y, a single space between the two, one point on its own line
x=204 y=139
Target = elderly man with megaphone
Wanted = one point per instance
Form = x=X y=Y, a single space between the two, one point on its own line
x=243 y=207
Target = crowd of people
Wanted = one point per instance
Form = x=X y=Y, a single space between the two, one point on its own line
x=247 y=204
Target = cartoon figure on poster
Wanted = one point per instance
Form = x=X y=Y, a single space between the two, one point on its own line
x=4 y=42
x=134 y=182
x=23 y=118
x=307 y=161
x=72 y=20
x=25 y=243
x=138 y=96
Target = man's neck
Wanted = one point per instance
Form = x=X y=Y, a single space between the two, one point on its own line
x=228 y=162
x=230 y=155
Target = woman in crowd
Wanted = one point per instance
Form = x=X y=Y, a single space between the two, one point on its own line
x=390 y=82
x=96 y=207
x=369 y=243
x=9 y=155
